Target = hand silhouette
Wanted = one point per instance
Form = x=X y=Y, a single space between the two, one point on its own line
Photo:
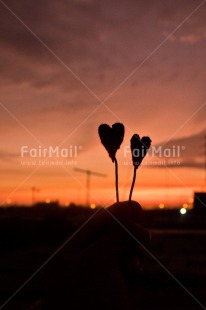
x=95 y=269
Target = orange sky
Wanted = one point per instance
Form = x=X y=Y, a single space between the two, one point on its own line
x=67 y=67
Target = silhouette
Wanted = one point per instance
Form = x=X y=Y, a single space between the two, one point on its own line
x=88 y=174
x=139 y=149
x=111 y=138
x=95 y=270
x=101 y=264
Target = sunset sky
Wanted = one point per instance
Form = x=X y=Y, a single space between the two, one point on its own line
x=68 y=66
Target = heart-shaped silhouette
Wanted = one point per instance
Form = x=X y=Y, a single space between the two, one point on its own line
x=139 y=148
x=111 y=137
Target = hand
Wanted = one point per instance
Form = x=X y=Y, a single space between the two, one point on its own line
x=95 y=268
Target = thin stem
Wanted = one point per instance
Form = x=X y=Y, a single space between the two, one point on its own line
x=133 y=182
x=116 y=179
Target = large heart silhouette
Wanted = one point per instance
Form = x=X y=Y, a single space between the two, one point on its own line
x=111 y=137
x=139 y=148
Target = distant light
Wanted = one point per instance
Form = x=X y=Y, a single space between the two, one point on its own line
x=185 y=205
x=48 y=200
x=191 y=200
x=161 y=205
x=67 y=204
x=92 y=206
x=183 y=210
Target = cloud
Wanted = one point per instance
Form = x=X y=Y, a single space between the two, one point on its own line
x=102 y=43
x=190 y=154
x=187 y=38
x=99 y=42
x=192 y=31
x=192 y=38
x=8 y=156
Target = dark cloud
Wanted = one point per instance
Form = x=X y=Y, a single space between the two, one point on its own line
x=101 y=42
x=88 y=36
x=8 y=156
x=191 y=150
x=193 y=31
x=193 y=145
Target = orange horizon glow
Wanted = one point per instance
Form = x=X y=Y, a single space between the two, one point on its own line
x=148 y=197
x=170 y=186
x=105 y=63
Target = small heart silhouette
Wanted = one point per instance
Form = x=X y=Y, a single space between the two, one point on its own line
x=139 y=148
x=111 y=137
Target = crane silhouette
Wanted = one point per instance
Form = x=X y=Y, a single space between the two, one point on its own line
x=88 y=181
